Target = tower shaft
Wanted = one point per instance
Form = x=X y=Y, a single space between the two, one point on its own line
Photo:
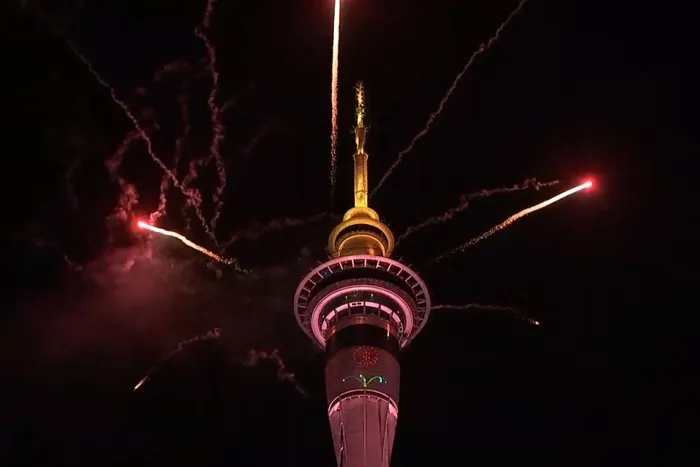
x=362 y=387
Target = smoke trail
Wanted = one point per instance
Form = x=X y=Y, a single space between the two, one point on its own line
x=334 y=98
x=482 y=48
x=255 y=356
x=218 y=128
x=514 y=218
x=464 y=204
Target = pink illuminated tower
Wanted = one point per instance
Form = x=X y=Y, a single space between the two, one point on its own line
x=362 y=308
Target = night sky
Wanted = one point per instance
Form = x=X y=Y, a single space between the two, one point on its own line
x=570 y=91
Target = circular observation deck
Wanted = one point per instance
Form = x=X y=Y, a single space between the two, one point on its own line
x=384 y=286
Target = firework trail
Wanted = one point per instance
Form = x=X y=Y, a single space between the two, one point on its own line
x=159 y=76
x=255 y=356
x=128 y=196
x=210 y=335
x=127 y=112
x=247 y=150
x=193 y=173
x=192 y=196
x=114 y=162
x=234 y=100
x=218 y=128
x=191 y=244
x=481 y=307
x=177 y=66
x=255 y=231
x=162 y=201
x=514 y=218
x=334 y=97
x=482 y=48
x=464 y=204
x=183 y=101
x=476 y=307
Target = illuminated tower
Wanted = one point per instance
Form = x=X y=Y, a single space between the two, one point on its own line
x=362 y=308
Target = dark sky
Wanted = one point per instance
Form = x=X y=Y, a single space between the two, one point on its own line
x=571 y=90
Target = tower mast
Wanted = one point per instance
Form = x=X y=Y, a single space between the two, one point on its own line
x=361 y=231
x=360 y=157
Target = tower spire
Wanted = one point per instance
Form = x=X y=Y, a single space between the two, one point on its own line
x=360 y=156
x=361 y=232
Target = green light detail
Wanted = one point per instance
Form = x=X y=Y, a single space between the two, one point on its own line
x=364 y=381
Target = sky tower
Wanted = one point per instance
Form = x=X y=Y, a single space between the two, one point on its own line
x=362 y=308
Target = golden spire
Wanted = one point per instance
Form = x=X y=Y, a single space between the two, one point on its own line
x=361 y=232
x=360 y=156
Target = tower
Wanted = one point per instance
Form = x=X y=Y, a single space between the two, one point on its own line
x=362 y=307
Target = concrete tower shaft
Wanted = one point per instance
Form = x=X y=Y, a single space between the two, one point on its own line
x=362 y=389
x=361 y=323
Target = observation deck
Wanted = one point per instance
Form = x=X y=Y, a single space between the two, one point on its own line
x=404 y=300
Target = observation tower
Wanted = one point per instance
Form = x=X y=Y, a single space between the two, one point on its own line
x=362 y=307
